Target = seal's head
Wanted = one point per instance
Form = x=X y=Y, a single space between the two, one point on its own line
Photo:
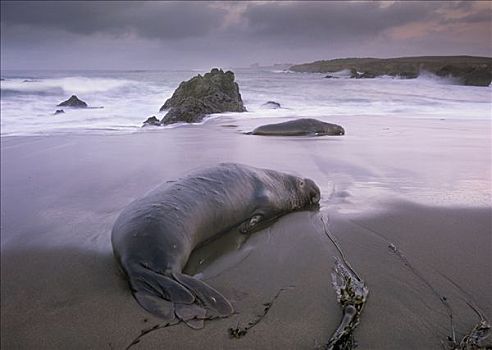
x=338 y=130
x=308 y=194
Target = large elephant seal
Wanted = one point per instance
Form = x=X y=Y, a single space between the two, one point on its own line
x=299 y=127
x=154 y=236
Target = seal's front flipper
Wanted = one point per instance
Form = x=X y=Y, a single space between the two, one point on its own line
x=250 y=225
x=155 y=305
x=215 y=303
x=153 y=283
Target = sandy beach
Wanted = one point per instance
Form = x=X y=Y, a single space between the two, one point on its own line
x=407 y=199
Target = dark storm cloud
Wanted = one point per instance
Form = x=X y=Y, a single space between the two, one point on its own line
x=146 y=19
x=152 y=34
x=175 y=20
x=321 y=19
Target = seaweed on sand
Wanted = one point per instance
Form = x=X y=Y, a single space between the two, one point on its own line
x=351 y=295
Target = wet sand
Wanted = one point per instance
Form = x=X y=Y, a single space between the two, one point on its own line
x=421 y=185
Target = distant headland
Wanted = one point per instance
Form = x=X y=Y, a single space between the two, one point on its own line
x=467 y=70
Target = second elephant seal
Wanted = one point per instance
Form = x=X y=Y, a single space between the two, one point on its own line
x=154 y=236
x=299 y=127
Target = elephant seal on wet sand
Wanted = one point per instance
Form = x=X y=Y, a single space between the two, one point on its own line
x=299 y=127
x=154 y=236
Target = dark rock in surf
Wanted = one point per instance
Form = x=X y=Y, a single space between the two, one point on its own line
x=215 y=92
x=367 y=75
x=272 y=105
x=407 y=75
x=478 y=77
x=299 y=127
x=354 y=74
x=469 y=75
x=453 y=71
x=73 y=102
x=151 y=121
x=59 y=111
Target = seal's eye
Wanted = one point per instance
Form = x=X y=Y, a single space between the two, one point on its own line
x=301 y=183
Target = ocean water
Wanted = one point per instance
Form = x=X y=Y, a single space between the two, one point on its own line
x=127 y=98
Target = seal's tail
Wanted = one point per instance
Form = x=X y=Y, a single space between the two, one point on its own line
x=216 y=304
x=157 y=293
x=181 y=296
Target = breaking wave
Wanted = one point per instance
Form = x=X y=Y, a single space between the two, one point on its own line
x=29 y=100
x=68 y=85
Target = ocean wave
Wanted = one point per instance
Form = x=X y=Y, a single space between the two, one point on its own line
x=12 y=92
x=429 y=77
x=60 y=86
x=130 y=98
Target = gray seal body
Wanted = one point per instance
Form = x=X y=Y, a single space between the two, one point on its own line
x=154 y=236
x=299 y=127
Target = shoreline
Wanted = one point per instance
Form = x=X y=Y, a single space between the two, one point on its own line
x=61 y=195
x=67 y=296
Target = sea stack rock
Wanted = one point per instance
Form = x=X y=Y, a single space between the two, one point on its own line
x=151 y=121
x=74 y=102
x=215 y=92
x=299 y=127
x=59 y=111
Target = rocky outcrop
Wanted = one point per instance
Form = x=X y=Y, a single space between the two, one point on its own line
x=367 y=75
x=59 y=111
x=467 y=75
x=271 y=105
x=73 y=102
x=151 y=121
x=478 y=77
x=354 y=74
x=468 y=70
x=299 y=127
x=214 y=92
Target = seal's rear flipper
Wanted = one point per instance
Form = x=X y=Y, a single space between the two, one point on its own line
x=191 y=314
x=153 y=283
x=156 y=305
x=213 y=301
x=195 y=323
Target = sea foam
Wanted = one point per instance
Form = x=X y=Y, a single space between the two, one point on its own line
x=29 y=99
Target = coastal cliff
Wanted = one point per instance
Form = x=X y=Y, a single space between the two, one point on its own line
x=467 y=70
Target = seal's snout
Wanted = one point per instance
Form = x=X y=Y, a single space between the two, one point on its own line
x=315 y=197
x=313 y=191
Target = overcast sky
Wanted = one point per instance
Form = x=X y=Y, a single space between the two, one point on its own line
x=184 y=35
